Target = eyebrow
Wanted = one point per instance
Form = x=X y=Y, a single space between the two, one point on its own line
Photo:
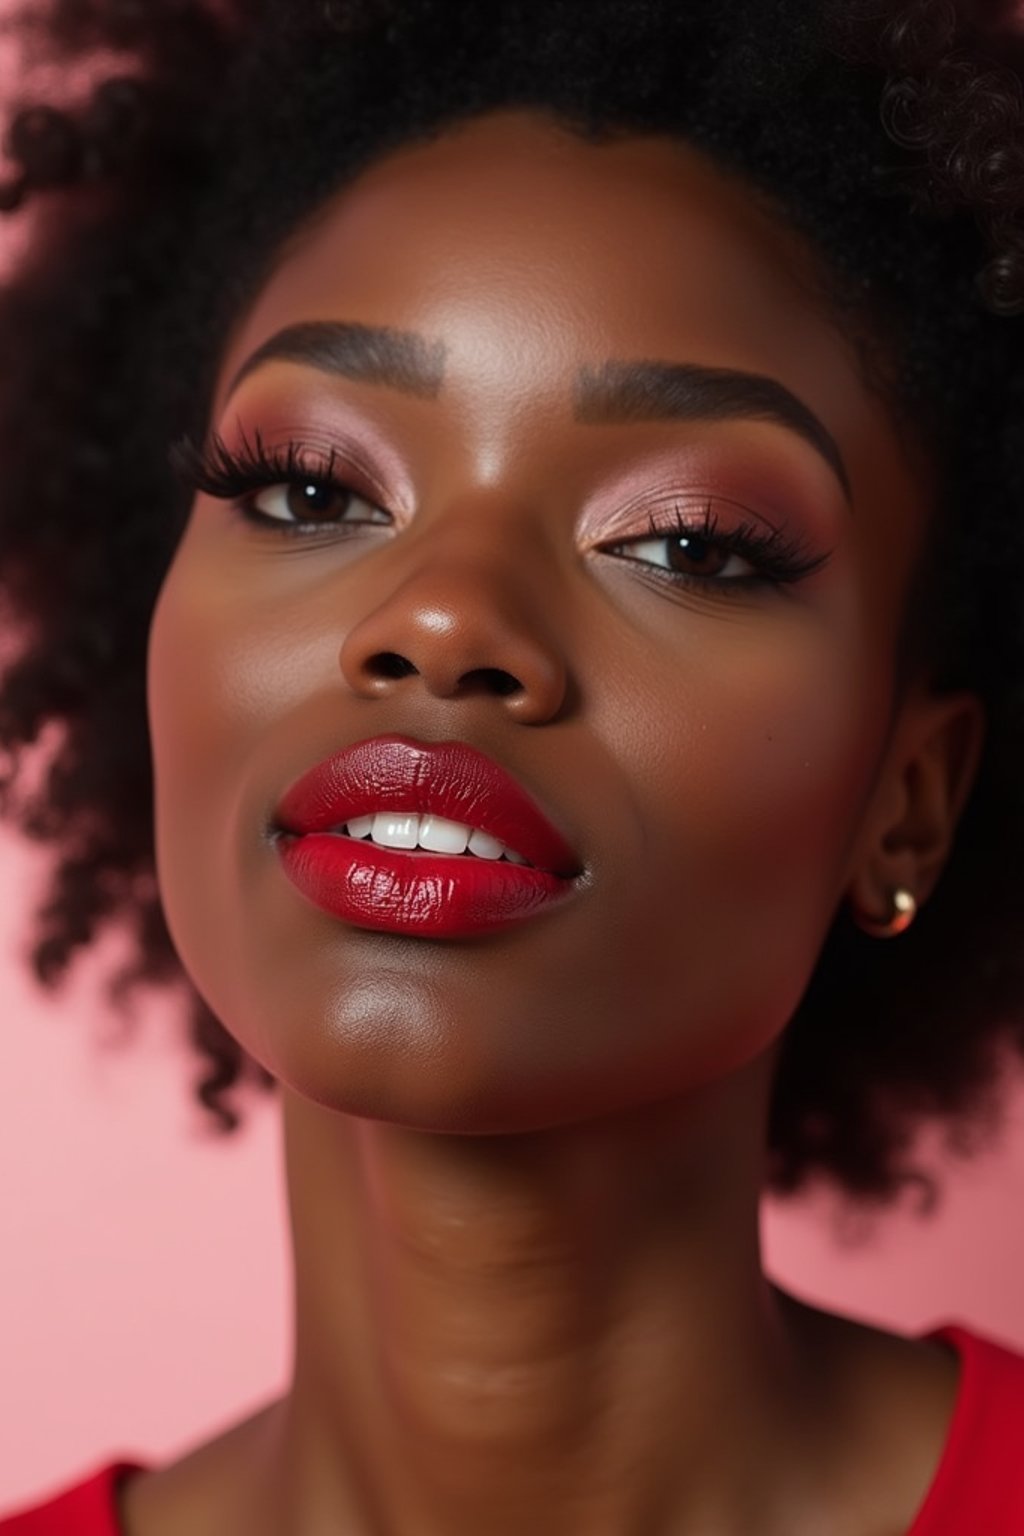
x=652 y=391
x=614 y=392
x=368 y=353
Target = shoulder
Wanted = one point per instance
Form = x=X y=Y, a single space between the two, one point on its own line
x=87 y=1507
x=205 y=1493
x=979 y=1484
x=933 y=1425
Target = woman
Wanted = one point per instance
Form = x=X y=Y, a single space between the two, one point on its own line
x=581 y=640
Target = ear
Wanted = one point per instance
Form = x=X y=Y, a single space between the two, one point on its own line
x=909 y=826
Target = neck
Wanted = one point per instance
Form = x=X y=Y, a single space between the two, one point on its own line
x=562 y=1332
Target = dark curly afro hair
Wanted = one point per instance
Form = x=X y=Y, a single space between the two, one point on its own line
x=149 y=210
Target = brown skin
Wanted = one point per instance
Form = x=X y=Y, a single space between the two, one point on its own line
x=525 y=1171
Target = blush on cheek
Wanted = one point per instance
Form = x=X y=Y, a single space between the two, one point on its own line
x=804 y=774
x=189 y=735
x=777 y=778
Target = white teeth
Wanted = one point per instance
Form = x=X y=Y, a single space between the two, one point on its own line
x=443 y=836
x=406 y=829
x=396 y=829
x=485 y=846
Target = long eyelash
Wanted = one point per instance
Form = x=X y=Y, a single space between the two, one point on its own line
x=226 y=474
x=781 y=558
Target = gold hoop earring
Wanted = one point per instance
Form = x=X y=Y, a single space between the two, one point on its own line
x=904 y=910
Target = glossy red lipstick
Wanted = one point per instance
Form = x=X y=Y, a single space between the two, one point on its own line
x=414 y=891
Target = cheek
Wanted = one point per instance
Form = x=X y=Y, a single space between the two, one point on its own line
x=791 y=779
x=221 y=669
x=229 y=657
x=201 y=700
x=753 y=771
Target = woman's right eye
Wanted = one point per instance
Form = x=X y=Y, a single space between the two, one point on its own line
x=310 y=503
x=288 y=489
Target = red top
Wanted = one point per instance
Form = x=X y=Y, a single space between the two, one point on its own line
x=977 y=1490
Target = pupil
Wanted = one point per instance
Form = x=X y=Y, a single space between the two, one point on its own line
x=692 y=547
x=313 y=498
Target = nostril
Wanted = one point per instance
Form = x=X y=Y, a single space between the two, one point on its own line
x=495 y=680
x=500 y=681
x=390 y=664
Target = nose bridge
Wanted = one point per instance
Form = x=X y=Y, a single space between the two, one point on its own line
x=464 y=608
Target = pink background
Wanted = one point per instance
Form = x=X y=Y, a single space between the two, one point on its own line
x=144 y=1276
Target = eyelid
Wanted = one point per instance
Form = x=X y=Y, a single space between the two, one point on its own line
x=358 y=447
x=633 y=519
x=619 y=511
x=761 y=475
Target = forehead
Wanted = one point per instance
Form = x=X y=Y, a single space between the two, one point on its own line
x=638 y=246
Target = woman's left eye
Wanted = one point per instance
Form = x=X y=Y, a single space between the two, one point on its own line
x=694 y=552
x=689 y=555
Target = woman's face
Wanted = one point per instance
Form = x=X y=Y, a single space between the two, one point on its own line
x=706 y=744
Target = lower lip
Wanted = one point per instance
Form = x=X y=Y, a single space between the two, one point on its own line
x=436 y=896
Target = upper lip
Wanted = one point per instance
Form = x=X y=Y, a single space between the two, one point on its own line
x=444 y=778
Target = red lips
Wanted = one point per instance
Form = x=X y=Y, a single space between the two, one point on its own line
x=444 y=778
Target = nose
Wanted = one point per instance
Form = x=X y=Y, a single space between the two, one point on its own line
x=460 y=625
